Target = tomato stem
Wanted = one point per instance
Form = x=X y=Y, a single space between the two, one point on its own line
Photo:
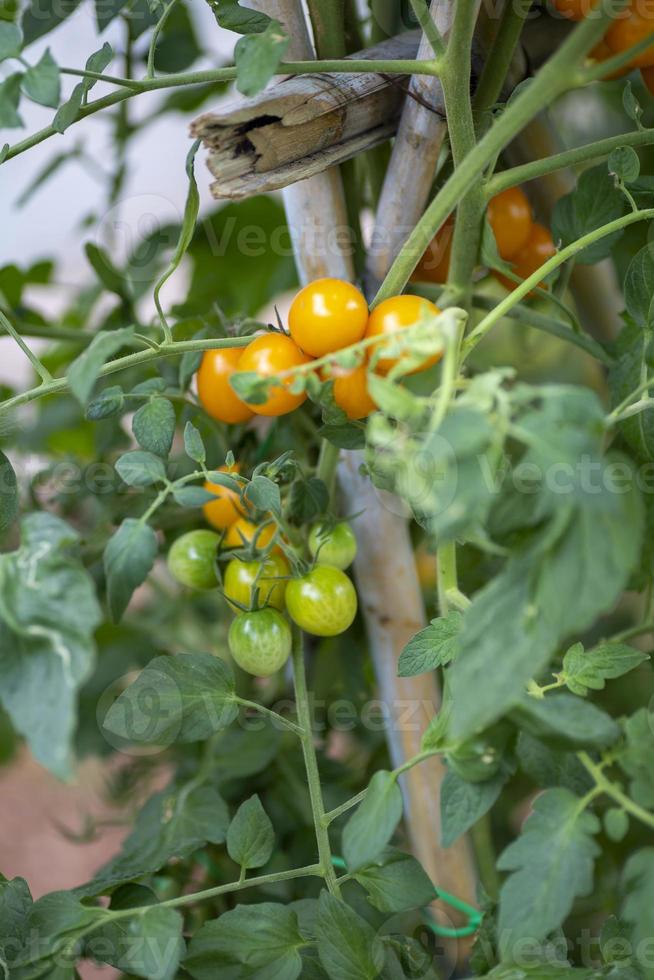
x=311 y=762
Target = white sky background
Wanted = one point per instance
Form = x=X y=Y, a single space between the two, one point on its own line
x=49 y=224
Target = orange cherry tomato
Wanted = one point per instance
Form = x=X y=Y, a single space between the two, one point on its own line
x=648 y=78
x=327 y=315
x=434 y=266
x=574 y=9
x=351 y=391
x=227 y=507
x=398 y=313
x=243 y=532
x=270 y=354
x=631 y=25
x=538 y=249
x=602 y=52
x=509 y=215
x=216 y=395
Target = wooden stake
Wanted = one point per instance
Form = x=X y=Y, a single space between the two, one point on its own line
x=303 y=125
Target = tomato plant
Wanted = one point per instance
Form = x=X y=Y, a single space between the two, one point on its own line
x=326 y=515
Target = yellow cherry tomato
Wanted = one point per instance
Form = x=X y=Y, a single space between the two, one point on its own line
x=269 y=577
x=351 y=391
x=509 y=215
x=227 y=507
x=268 y=355
x=216 y=395
x=327 y=315
x=395 y=314
x=243 y=532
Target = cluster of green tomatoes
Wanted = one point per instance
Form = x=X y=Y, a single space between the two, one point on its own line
x=259 y=585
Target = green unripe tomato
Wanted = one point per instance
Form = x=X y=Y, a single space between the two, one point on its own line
x=335 y=545
x=480 y=757
x=241 y=578
x=192 y=559
x=323 y=602
x=260 y=642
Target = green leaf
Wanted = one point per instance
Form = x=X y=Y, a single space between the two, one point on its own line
x=15 y=905
x=140 y=469
x=517 y=621
x=107 y=404
x=639 y=288
x=594 y=202
x=638 y=907
x=193 y=444
x=191 y=209
x=585 y=670
x=264 y=495
x=8 y=493
x=172 y=824
x=233 y=17
x=128 y=557
x=9 y=99
x=257 y=58
x=344 y=436
x=83 y=372
x=109 y=275
x=396 y=882
x=192 y=496
x=42 y=83
x=631 y=364
x=432 y=647
x=373 y=823
x=153 y=426
x=307 y=500
x=348 y=947
x=551 y=864
x=54 y=918
x=185 y=698
x=637 y=757
x=11 y=40
x=69 y=111
x=464 y=803
x=616 y=824
x=631 y=105
x=548 y=766
x=148 y=944
x=250 y=838
x=567 y=721
x=106 y=11
x=624 y=163
x=48 y=614
x=40 y=19
x=260 y=940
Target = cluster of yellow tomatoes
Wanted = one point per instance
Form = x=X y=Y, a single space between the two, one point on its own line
x=260 y=588
x=521 y=241
x=325 y=317
x=632 y=24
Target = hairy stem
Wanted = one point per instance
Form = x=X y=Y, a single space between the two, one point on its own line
x=598 y=150
x=604 y=784
x=311 y=763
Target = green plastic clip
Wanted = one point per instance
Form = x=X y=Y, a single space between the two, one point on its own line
x=474 y=915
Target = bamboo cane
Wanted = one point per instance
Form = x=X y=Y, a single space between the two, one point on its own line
x=413 y=162
x=303 y=125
